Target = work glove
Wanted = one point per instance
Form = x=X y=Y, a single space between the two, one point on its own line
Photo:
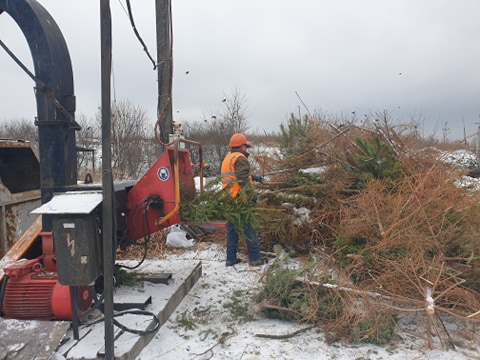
x=258 y=178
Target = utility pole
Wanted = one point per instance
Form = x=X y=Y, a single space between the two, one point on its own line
x=445 y=132
x=478 y=140
x=164 y=67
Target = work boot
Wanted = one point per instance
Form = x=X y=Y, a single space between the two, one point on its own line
x=258 y=262
x=231 y=263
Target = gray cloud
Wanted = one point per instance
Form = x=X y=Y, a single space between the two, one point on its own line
x=415 y=59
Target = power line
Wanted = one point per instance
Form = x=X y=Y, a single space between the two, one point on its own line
x=132 y=22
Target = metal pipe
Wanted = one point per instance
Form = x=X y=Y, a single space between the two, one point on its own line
x=176 y=184
x=107 y=179
x=200 y=154
x=176 y=176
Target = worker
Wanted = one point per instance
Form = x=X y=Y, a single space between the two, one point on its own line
x=205 y=168
x=235 y=174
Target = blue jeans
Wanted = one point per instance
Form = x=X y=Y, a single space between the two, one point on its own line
x=232 y=243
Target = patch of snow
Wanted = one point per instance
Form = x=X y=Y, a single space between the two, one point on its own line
x=468 y=183
x=205 y=326
x=206 y=181
x=462 y=158
x=215 y=334
x=301 y=215
x=314 y=171
x=71 y=202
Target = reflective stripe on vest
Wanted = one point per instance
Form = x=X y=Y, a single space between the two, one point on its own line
x=228 y=172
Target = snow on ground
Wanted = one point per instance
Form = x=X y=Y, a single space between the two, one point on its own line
x=462 y=158
x=211 y=322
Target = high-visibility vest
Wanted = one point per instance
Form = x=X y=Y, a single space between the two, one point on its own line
x=228 y=172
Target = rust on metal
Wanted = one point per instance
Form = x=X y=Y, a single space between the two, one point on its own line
x=19 y=190
x=16 y=219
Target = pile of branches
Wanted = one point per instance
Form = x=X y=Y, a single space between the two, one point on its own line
x=391 y=236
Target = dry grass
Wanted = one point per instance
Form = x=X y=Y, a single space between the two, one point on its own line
x=156 y=249
x=402 y=240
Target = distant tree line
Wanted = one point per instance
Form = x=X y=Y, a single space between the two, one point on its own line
x=133 y=145
x=134 y=148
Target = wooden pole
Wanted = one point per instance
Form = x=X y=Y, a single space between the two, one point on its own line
x=164 y=67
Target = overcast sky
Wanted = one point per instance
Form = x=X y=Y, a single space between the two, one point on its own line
x=415 y=59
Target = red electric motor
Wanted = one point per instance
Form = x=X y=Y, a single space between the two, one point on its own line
x=32 y=290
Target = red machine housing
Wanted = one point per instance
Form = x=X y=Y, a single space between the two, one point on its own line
x=32 y=291
x=159 y=183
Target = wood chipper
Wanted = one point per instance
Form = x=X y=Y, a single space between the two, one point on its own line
x=55 y=269
x=70 y=255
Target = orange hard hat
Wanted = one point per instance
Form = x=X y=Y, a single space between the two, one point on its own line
x=238 y=140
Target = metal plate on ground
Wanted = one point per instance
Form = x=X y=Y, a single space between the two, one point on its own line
x=165 y=299
x=30 y=339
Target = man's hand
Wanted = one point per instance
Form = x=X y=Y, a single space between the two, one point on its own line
x=258 y=178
